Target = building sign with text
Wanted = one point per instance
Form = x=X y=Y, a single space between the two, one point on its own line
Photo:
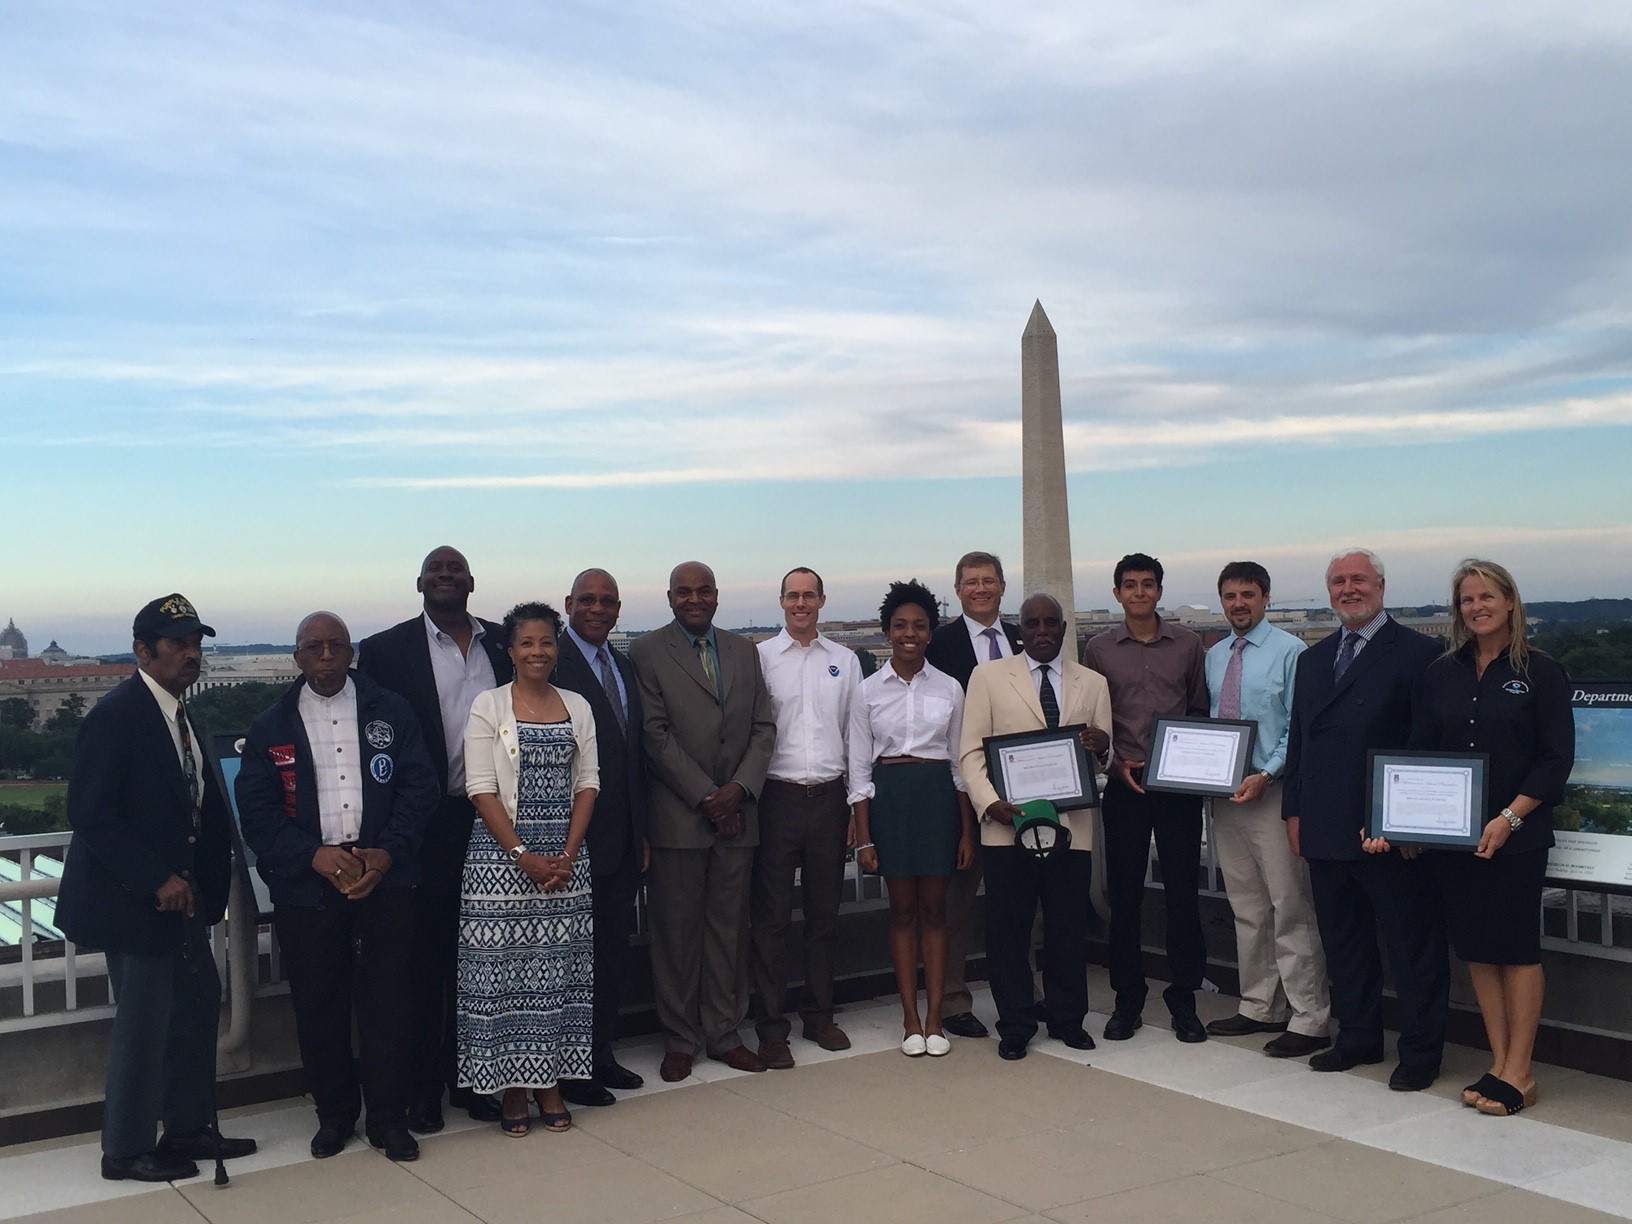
x=1594 y=822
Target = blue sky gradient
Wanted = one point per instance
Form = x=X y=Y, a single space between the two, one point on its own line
x=291 y=293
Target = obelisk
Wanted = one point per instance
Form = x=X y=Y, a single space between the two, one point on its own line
x=1045 y=519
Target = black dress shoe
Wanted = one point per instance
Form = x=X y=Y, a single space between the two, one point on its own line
x=619 y=1077
x=331 y=1139
x=148 y=1167
x=965 y=1024
x=1122 y=1025
x=200 y=1145
x=1242 y=1026
x=1295 y=1045
x=1187 y=1028
x=1077 y=1038
x=585 y=1092
x=1413 y=1079
x=1009 y=1049
x=425 y=1117
x=484 y=1108
x=1341 y=1058
x=398 y=1144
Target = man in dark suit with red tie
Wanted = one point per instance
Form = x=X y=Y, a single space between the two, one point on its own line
x=588 y=665
x=1352 y=693
x=147 y=875
x=958 y=647
x=440 y=660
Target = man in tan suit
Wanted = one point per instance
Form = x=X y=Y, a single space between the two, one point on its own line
x=1031 y=692
x=709 y=731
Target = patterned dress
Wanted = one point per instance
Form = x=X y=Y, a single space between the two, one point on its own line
x=526 y=958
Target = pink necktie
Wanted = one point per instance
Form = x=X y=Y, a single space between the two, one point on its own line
x=990 y=634
x=1229 y=697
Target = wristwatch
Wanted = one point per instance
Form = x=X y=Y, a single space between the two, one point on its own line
x=1513 y=822
x=515 y=852
x=1266 y=775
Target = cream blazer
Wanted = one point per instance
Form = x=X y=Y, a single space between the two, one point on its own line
x=493 y=757
x=1002 y=699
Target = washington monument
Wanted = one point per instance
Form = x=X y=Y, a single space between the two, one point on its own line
x=1045 y=519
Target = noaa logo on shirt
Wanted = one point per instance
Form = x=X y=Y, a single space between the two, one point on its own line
x=1517 y=687
x=833 y=670
x=378 y=734
x=381 y=767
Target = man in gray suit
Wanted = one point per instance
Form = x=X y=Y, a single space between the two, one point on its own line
x=709 y=731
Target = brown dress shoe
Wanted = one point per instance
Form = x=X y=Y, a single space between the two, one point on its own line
x=675 y=1068
x=775 y=1055
x=828 y=1035
x=739 y=1058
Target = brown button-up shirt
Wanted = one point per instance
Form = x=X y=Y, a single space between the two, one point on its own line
x=1161 y=678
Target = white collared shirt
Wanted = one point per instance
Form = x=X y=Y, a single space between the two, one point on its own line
x=978 y=639
x=811 y=688
x=1055 y=675
x=459 y=677
x=337 y=760
x=890 y=717
x=168 y=705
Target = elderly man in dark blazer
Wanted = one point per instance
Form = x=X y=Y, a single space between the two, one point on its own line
x=1351 y=694
x=709 y=730
x=439 y=660
x=589 y=666
x=147 y=875
x=334 y=790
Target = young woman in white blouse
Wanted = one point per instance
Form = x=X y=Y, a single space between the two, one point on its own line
x=913 y=822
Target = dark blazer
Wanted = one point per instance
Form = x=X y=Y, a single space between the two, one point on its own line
x=618 y=822
x=694 y=741
x=1334 y=725
x=400 y=659
x=952 y=652
x=277 y=792
x=133 y=829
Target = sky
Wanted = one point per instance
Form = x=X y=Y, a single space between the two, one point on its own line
x=292 y=293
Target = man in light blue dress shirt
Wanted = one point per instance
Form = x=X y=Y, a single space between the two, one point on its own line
x=1282 y=966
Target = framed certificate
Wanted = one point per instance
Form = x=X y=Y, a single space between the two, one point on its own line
x=1427 y=798
x=1199 y=756
x=1050 y=765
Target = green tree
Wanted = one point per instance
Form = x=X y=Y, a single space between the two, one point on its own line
x=50 y=817
x=868 y=660
x=68 y=715
x=16 y=712
x=233 y=707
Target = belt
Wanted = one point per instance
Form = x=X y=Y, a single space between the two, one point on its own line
x=814 y=791
x=908 y=760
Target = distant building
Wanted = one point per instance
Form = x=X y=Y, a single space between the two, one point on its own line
x=13 y=645
x=47 y=686
x=55 y=654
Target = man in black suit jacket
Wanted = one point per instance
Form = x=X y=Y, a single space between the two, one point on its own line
x=1352 y=693
x=147 y=875
x=617 y=827
x=958 y=647
x=439 y=661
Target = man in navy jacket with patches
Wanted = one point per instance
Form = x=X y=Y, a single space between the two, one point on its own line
x=334 y=788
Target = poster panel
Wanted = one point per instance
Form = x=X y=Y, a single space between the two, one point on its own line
x=1594 y=822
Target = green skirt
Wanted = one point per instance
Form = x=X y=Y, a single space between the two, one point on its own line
x=914 y=819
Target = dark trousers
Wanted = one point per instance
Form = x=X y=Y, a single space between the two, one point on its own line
x=1016 y=881
x=1355 y=900
x=161 y=1053
x=614 y=916
x=1130 y=821
x=436 y=946
x=335 y=952
x=800 y=832
x=961 y=889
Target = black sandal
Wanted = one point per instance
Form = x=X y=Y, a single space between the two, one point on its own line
x=1480 y=1087
x=1503 y=1100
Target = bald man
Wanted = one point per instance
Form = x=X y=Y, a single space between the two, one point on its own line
x=709 y=731
x=335 y=789
x=439 y=661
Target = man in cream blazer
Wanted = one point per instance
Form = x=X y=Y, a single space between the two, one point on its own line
x=1031 y=692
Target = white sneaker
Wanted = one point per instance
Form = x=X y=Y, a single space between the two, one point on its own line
x=914 y=1045
x=936 y=1045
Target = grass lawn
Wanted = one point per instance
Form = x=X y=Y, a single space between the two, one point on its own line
x=30 y=794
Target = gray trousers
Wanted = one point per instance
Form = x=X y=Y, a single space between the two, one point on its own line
x=699 y=926
x=1277 y=943
x=161 y=1054
x=797 y=832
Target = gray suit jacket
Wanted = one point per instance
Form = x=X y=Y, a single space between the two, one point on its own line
x=694 y=742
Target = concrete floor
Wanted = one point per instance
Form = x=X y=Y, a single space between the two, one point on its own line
x=1151 y=1130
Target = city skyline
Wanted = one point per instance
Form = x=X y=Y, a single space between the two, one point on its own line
x=296 y=292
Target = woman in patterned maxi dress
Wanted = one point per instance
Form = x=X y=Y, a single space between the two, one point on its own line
x=526 y=961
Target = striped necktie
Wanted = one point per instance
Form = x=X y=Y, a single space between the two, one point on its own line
x=1345 y=655
x=1047 y=699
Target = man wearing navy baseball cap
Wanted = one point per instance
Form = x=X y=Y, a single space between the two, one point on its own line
x=146 y=876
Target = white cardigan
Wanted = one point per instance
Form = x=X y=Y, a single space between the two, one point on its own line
x=493 y=757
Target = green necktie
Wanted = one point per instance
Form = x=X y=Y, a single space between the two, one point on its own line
x=705 y=656
x=189 y=763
